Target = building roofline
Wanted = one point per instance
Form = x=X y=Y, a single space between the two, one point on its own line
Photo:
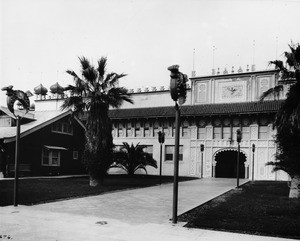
x=41 y=125
x=233 y=74
x=241 y=108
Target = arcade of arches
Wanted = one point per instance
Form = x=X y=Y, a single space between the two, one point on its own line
x=226 y=164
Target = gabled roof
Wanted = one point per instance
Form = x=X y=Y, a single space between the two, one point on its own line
x=28 y=115
x=198 y=110
x=42 y=119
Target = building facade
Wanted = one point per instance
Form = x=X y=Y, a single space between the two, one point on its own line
x=216 y=107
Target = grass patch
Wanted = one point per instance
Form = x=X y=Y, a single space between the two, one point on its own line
x=260 y=207
x=41 y=190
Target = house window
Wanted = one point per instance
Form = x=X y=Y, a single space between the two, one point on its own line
x=137 y=130
x=201 y=133
x=185 y=131
x=155 y=129
x=75 y=155
x=169 y=153
x=263 y=132
x=62 y=127
x=245 y=133
x=217 y=132
x=147 y=129
x=51 y=157
x=128 y=129
x=226 y=133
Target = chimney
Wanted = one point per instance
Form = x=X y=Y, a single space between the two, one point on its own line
x=253 y=67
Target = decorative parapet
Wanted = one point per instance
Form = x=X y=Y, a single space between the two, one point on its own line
x=66 y=94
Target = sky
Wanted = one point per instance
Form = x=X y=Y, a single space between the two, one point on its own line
x=41 y=39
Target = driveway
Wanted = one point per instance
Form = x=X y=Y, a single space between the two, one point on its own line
x=144 y=205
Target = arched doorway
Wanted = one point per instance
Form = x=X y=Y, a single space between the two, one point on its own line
x=226 y=164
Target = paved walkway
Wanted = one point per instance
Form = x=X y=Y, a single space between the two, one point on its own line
x=139 y=214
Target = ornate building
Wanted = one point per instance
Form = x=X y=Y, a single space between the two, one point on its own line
x=216 y=106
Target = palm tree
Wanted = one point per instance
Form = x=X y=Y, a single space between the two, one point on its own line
x=287 y=120
x=92 y=95
x=131 y=158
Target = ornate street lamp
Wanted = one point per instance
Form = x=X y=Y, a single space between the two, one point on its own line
x=253 y=150
x=23 y=101
x=202 y=150
x=178 y=89
x=161 y=140
x=238 y=139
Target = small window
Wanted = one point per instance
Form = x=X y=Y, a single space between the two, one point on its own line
x=217 y=132
x=51 y=157
x=226 y=133
x=75 y=155
x=147 y=131
x=62 y=128
x=185 y=131
x=245 y=133
x=201 y=133
x=138 y=132
x=169 y=153
x=263 y=132
x=234 y=129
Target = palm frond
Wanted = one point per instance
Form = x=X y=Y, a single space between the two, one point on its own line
x=85 y=63
x=272 y=91
x=278 y=64
x=141 y=167
x=116 y=96
x=102 y=66
x=90 y=75
x=71 y=72
x=75 y=103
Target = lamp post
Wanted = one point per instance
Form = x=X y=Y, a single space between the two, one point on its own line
x=202 y=150
x=23 y=101
x=161 y=140
x=176 y=164
x=253 y=150
x=238 y=139
x=178 y=94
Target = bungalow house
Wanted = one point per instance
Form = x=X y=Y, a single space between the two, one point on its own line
x=51 y=143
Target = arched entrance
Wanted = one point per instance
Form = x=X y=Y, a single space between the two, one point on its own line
x=226 y=164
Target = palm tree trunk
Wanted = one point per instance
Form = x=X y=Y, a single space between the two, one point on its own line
x=295 y=187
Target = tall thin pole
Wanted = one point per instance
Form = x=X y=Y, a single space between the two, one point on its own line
x=276 y=47
x=238 y=167
x=253 y=150
x=176 y=164
x=160 y=163
x=201 y=164
x=253 y=57
x=253 y=167
x=214 y=48
x=17 y=151
x=193 y=59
